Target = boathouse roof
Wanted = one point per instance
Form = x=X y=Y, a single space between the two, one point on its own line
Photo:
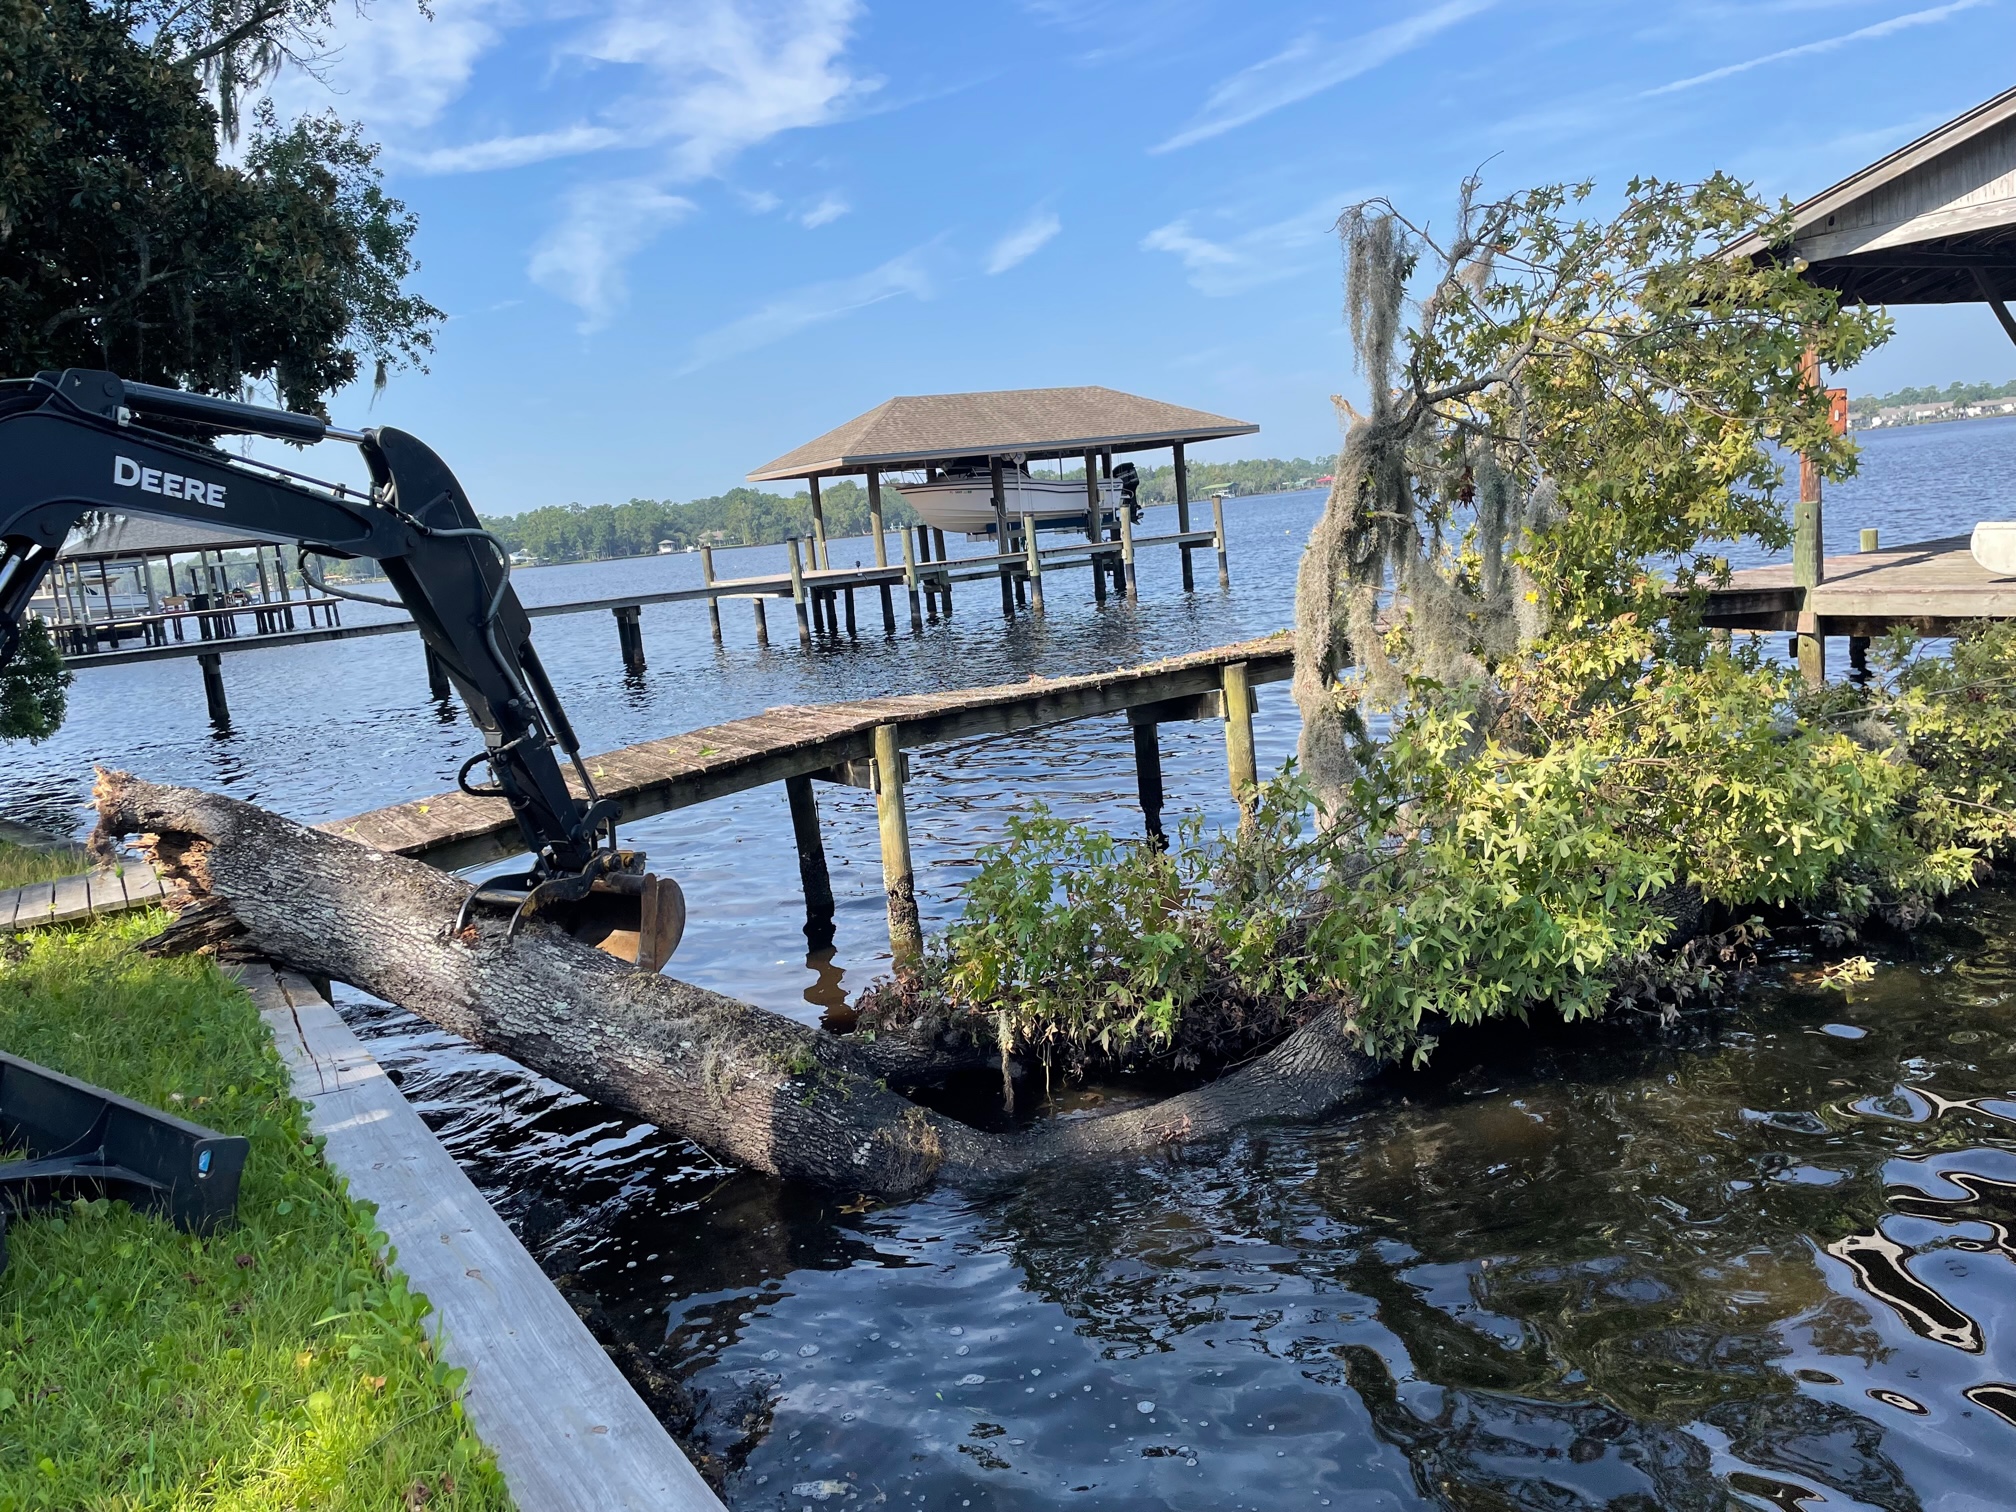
x=129 y=536
x=914 y=429
x=1925 y=225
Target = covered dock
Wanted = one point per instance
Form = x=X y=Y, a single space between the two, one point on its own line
x=1932 y=223
x=922 y=436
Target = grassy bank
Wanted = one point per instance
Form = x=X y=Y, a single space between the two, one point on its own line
x=21 y=864
x=275 y=1363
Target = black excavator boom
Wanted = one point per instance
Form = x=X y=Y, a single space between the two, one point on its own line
x=77 y=442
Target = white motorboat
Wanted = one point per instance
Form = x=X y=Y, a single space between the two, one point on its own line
x=962 y=499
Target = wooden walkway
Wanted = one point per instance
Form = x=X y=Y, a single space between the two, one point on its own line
x=569 y=1433
x=134 y=885
x=454 y=830
x=1933 y=586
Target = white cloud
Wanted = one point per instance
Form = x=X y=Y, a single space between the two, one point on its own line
x=1308 y=66
x=1021 y=243
x=813 y=305
x=726 y=74
x=830 y=208
x=1826 y=44
x=605 y=225
x=396 y=68
x=1260 y=255
x=516 y=151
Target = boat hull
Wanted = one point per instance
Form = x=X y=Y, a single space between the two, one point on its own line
x=967 y=504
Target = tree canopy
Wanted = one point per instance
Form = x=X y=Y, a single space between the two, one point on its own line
x=739 y=517
x=125 y=243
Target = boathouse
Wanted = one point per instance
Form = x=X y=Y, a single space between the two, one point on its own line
x=938 y=439
x=1932 y=223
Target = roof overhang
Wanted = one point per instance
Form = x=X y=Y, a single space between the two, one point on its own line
x=1932 y=223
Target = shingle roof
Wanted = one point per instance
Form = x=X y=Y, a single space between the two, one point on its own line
x=1913 y=227
x=1054 y=422
x=137 y=535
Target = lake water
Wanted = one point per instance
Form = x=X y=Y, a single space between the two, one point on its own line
x=1769 y=1265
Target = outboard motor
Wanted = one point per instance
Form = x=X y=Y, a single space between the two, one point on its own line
x=1129 y=480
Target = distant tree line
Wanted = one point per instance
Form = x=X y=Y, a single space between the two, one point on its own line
x=1953 y=393
x=751 y=517
x=739 y=517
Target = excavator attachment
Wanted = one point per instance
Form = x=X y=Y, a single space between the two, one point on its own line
x=636 y=917
x=613 y=904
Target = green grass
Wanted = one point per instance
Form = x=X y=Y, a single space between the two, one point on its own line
x=274 y=1364
x=21 y=864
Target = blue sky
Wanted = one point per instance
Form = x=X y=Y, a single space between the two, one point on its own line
x=678 y=237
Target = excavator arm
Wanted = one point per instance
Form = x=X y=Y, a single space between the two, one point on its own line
x=78 y=442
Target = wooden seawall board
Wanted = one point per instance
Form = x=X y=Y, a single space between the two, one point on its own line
x=1932 y=586
x=456 y=830
x=569 y=1433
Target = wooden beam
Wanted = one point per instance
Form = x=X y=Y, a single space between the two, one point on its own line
x=813 y=876
x=1239 y=761
x=1148 y=781
x=906 y=932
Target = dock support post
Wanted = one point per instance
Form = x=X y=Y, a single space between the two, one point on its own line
x=818 y=527
x=1127 y=553
x=852 y=632
x=1183 y=514
x=212 y=664
x=630 y=635
x=707 y=577
x=944 y=583
x=798 y=596
x=1097 y=562
x=906 y=933
x=1001 y=542
x=812 y=873
x=762 y=621
x=437 y=676
x=1033 y=556
x=1218 y=533
x=881 y=547
x=924 y=557
x=910 y=584
x=1808 y=563
x=1858 y=645
x=1239 y=763
x=1148 y=781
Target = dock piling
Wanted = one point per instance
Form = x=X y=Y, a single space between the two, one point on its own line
x=852 y=632
x=1239 y=761
x=1182 y=473
x=630 y=635
x=1033 y=557
x=944 y=583
x=707 y=577
x=910 y=584
x=1148 y=780
x=1808 y=563
x=212 y=663
x=1127 y=554
x=437 y=675
x=798 y=596
x=906 y=933
x=762 y=621
x=818 y=527
x=1001 y=537
x=1218 y=540
x=812 y=872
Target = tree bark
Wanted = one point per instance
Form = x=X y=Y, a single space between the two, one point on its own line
x=749 y=1085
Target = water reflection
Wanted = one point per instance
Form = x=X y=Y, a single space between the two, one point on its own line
x=1767 y=1267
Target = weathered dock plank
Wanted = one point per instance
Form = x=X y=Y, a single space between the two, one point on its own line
x=135 y=885
x=569 y=1433
x=456 y=830
x=1934 y=586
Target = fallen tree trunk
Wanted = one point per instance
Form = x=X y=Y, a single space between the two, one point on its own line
x=748 y=1085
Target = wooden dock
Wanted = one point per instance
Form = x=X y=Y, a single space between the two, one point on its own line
x=455 y=830
x=1934 y=587
x=860 y=743
x=65 y=901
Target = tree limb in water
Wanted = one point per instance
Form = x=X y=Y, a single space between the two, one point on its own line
x=748 y=1085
